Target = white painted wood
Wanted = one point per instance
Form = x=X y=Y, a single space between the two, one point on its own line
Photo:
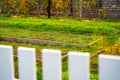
x=51 y=64
x=78 y=63
x=79 y=67
x=27 y=63
x=6 y=63
x=109 y=67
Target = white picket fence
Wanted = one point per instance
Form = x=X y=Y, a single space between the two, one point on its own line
x=78 y=64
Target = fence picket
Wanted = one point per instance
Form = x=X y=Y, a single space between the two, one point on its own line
x=78 y=66
x=109 y=67
x=6 y=63
x=27 y=63
x=51 y=61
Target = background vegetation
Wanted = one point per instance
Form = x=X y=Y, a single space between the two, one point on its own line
x=73 y=8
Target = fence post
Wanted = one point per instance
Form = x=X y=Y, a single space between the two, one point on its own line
x=109 y=67
x=27 y=63
x=79 y=67
x=6 y=63
x=51 y=64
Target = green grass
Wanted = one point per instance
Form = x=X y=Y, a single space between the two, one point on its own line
x=52 y=36
x=60 y=30
x=69 y=26
x=64 y=49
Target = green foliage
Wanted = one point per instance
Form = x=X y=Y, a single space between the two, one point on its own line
x=68 y=26
x=8 y=15
x=1 y=39
x=110 y=40
x=112 y=44
x=79 y=39
x=102 y=12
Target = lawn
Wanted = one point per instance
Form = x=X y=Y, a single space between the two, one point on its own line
x=68 y=26
x=52 y=36
x=63 y=30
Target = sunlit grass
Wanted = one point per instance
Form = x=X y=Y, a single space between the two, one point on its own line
x=52 y=36
x=68 y=26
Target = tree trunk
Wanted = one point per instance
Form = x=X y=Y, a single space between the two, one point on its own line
x=71 y=8
x=8 y=7
x=80 y=9
x=100 y=3
x=37 y=6
x=49 y=8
